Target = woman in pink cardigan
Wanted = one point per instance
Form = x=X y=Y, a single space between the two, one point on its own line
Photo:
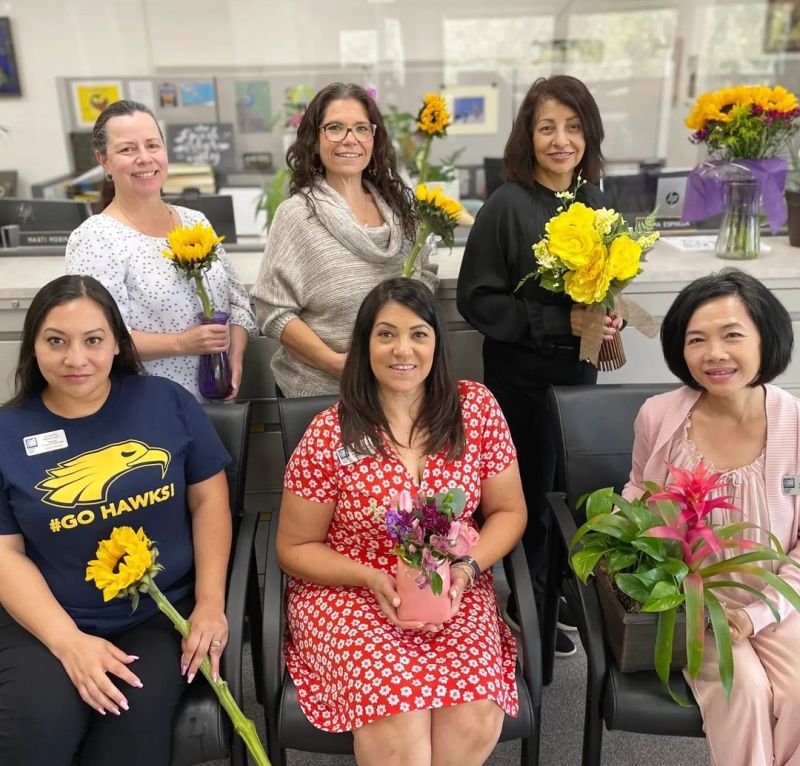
x=726 y=337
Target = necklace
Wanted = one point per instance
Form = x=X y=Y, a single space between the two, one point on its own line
x=133 y=225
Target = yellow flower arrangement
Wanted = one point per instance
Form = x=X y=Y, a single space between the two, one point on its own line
x=192 y=250
x=433 y=118
x=438 y=214
x=590 y=255
x=745 y=122
x=125 y=566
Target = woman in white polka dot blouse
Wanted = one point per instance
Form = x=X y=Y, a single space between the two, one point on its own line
x=122 y=247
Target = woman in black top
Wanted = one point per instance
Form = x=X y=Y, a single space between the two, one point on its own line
x=532 y=336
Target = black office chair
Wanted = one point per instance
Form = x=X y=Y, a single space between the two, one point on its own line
x=202 y=731
x=287 y=727
x=594 y=426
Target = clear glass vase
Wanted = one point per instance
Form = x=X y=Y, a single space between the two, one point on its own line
x=739 y=235
x=214 y=375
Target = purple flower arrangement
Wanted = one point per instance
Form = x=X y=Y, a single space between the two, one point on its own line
x=427 y=532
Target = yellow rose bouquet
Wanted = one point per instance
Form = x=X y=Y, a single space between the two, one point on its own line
x=125 y=567
x=591 y=255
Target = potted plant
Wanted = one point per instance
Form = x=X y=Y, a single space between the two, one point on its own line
x=663 y=554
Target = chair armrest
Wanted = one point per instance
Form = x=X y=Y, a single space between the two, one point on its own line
x=235 y=606
x=589 y=616
x=272 y=626
x=520 y=581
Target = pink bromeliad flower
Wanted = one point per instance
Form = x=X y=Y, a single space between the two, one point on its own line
x=691 y=490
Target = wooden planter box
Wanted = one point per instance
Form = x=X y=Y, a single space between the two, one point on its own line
x=632 y=636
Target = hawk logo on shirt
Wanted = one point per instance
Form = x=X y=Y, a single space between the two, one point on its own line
x=87 y=477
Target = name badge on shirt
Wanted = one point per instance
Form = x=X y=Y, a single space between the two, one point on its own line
x=47 y=442
x=791 y=485
x=348 y=455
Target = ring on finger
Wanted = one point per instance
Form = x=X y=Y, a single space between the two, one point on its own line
x=216 y=644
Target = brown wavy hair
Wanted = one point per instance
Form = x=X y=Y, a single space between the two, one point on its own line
x=361 y=417
x=304 y=161
x=519 y=161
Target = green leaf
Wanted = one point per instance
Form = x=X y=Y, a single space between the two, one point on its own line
x=722 y=638
x=754 y=591
x=637 y=512
x=780 y=585
x=436 y=582
x=619 y=560
x=664 y=595
x=613 y=524
x=695 y=622
x=649 y=577
x=662 y=653
x=675 y=567
x=632 y=586
x=738 y=563
x=652 y=546
x=584 y=561
x=599 y=502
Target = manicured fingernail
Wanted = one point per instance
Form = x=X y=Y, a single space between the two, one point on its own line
x=190 y=678
x=132 y=657
x=215 y=676
x=183 y=669
x=101 y=711
x=124 y=704
x=115 y=711
x=395 y=602
x=139 y=684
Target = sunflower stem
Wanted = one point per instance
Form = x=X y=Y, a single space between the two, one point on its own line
x=423 y=163
x=200 y=288
x=242 y=725
x=422 y=235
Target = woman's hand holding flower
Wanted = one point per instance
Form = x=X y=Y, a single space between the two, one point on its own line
x=208 y=636
x=88 y=660
x=204 y=339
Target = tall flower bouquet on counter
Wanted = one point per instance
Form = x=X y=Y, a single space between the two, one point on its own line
x=664 y=554
x=591 y=255
x=428 y=536
x=192 y=251
x=744 y=129
x=125 y=567
x=438 y=214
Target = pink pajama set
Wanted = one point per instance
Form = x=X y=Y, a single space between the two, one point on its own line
x=760 y=724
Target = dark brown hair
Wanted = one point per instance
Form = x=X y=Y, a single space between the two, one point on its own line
x=360 y=414
x=304 y=161
x=122 y=108
x=768 y=314
x=519 y=161
x=28 y=378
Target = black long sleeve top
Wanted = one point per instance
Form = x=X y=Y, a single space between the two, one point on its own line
x=519 y=327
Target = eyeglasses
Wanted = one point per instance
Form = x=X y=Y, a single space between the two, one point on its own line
x=363 y=132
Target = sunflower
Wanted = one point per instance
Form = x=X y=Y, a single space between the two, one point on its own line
x=122 y=562
x=433 y=118
x=191 y=246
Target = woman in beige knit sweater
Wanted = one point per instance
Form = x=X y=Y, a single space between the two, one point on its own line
x=348 y=225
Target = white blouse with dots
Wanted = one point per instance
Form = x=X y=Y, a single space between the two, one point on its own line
x=152 y=296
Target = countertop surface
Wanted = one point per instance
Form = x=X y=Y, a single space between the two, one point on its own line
x=667 y=267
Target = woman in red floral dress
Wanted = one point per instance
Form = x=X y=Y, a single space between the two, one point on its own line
x=411 y=693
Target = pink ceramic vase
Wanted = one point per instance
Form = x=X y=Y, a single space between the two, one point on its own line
x=422 y=603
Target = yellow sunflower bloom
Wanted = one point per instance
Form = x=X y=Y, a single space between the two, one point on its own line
x=433 y=118
x=121 y=562
x=572 y=236
x=623 y=258
x=191 y=245
x=589 y=283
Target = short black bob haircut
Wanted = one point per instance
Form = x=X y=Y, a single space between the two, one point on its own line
x=361 y=416
x=767 y=312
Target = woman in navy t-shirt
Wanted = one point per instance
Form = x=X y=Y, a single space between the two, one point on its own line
x=89 y=444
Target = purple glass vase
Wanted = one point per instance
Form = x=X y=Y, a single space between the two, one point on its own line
x=214 y=375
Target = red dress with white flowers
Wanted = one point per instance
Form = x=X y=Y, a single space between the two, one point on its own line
x=350 y=665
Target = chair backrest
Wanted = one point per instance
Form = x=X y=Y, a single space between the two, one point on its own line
x=296 y=416
x=594 y=434
x=232 y=423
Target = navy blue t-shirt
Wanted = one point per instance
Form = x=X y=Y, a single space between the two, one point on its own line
x=66 y=483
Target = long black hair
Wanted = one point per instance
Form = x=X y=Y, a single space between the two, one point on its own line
x=304 y=161
x=28 y=378
x=519 y=161
x=361 y=417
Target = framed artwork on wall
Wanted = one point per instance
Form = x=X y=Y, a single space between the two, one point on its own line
x=783 y=26
x=9 y=74
x=473 y=109
x=90 y=98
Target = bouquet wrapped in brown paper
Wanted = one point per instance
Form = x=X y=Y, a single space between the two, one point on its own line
x=591 y=255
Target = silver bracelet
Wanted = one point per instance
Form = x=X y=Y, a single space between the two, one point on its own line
x=470 y=566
